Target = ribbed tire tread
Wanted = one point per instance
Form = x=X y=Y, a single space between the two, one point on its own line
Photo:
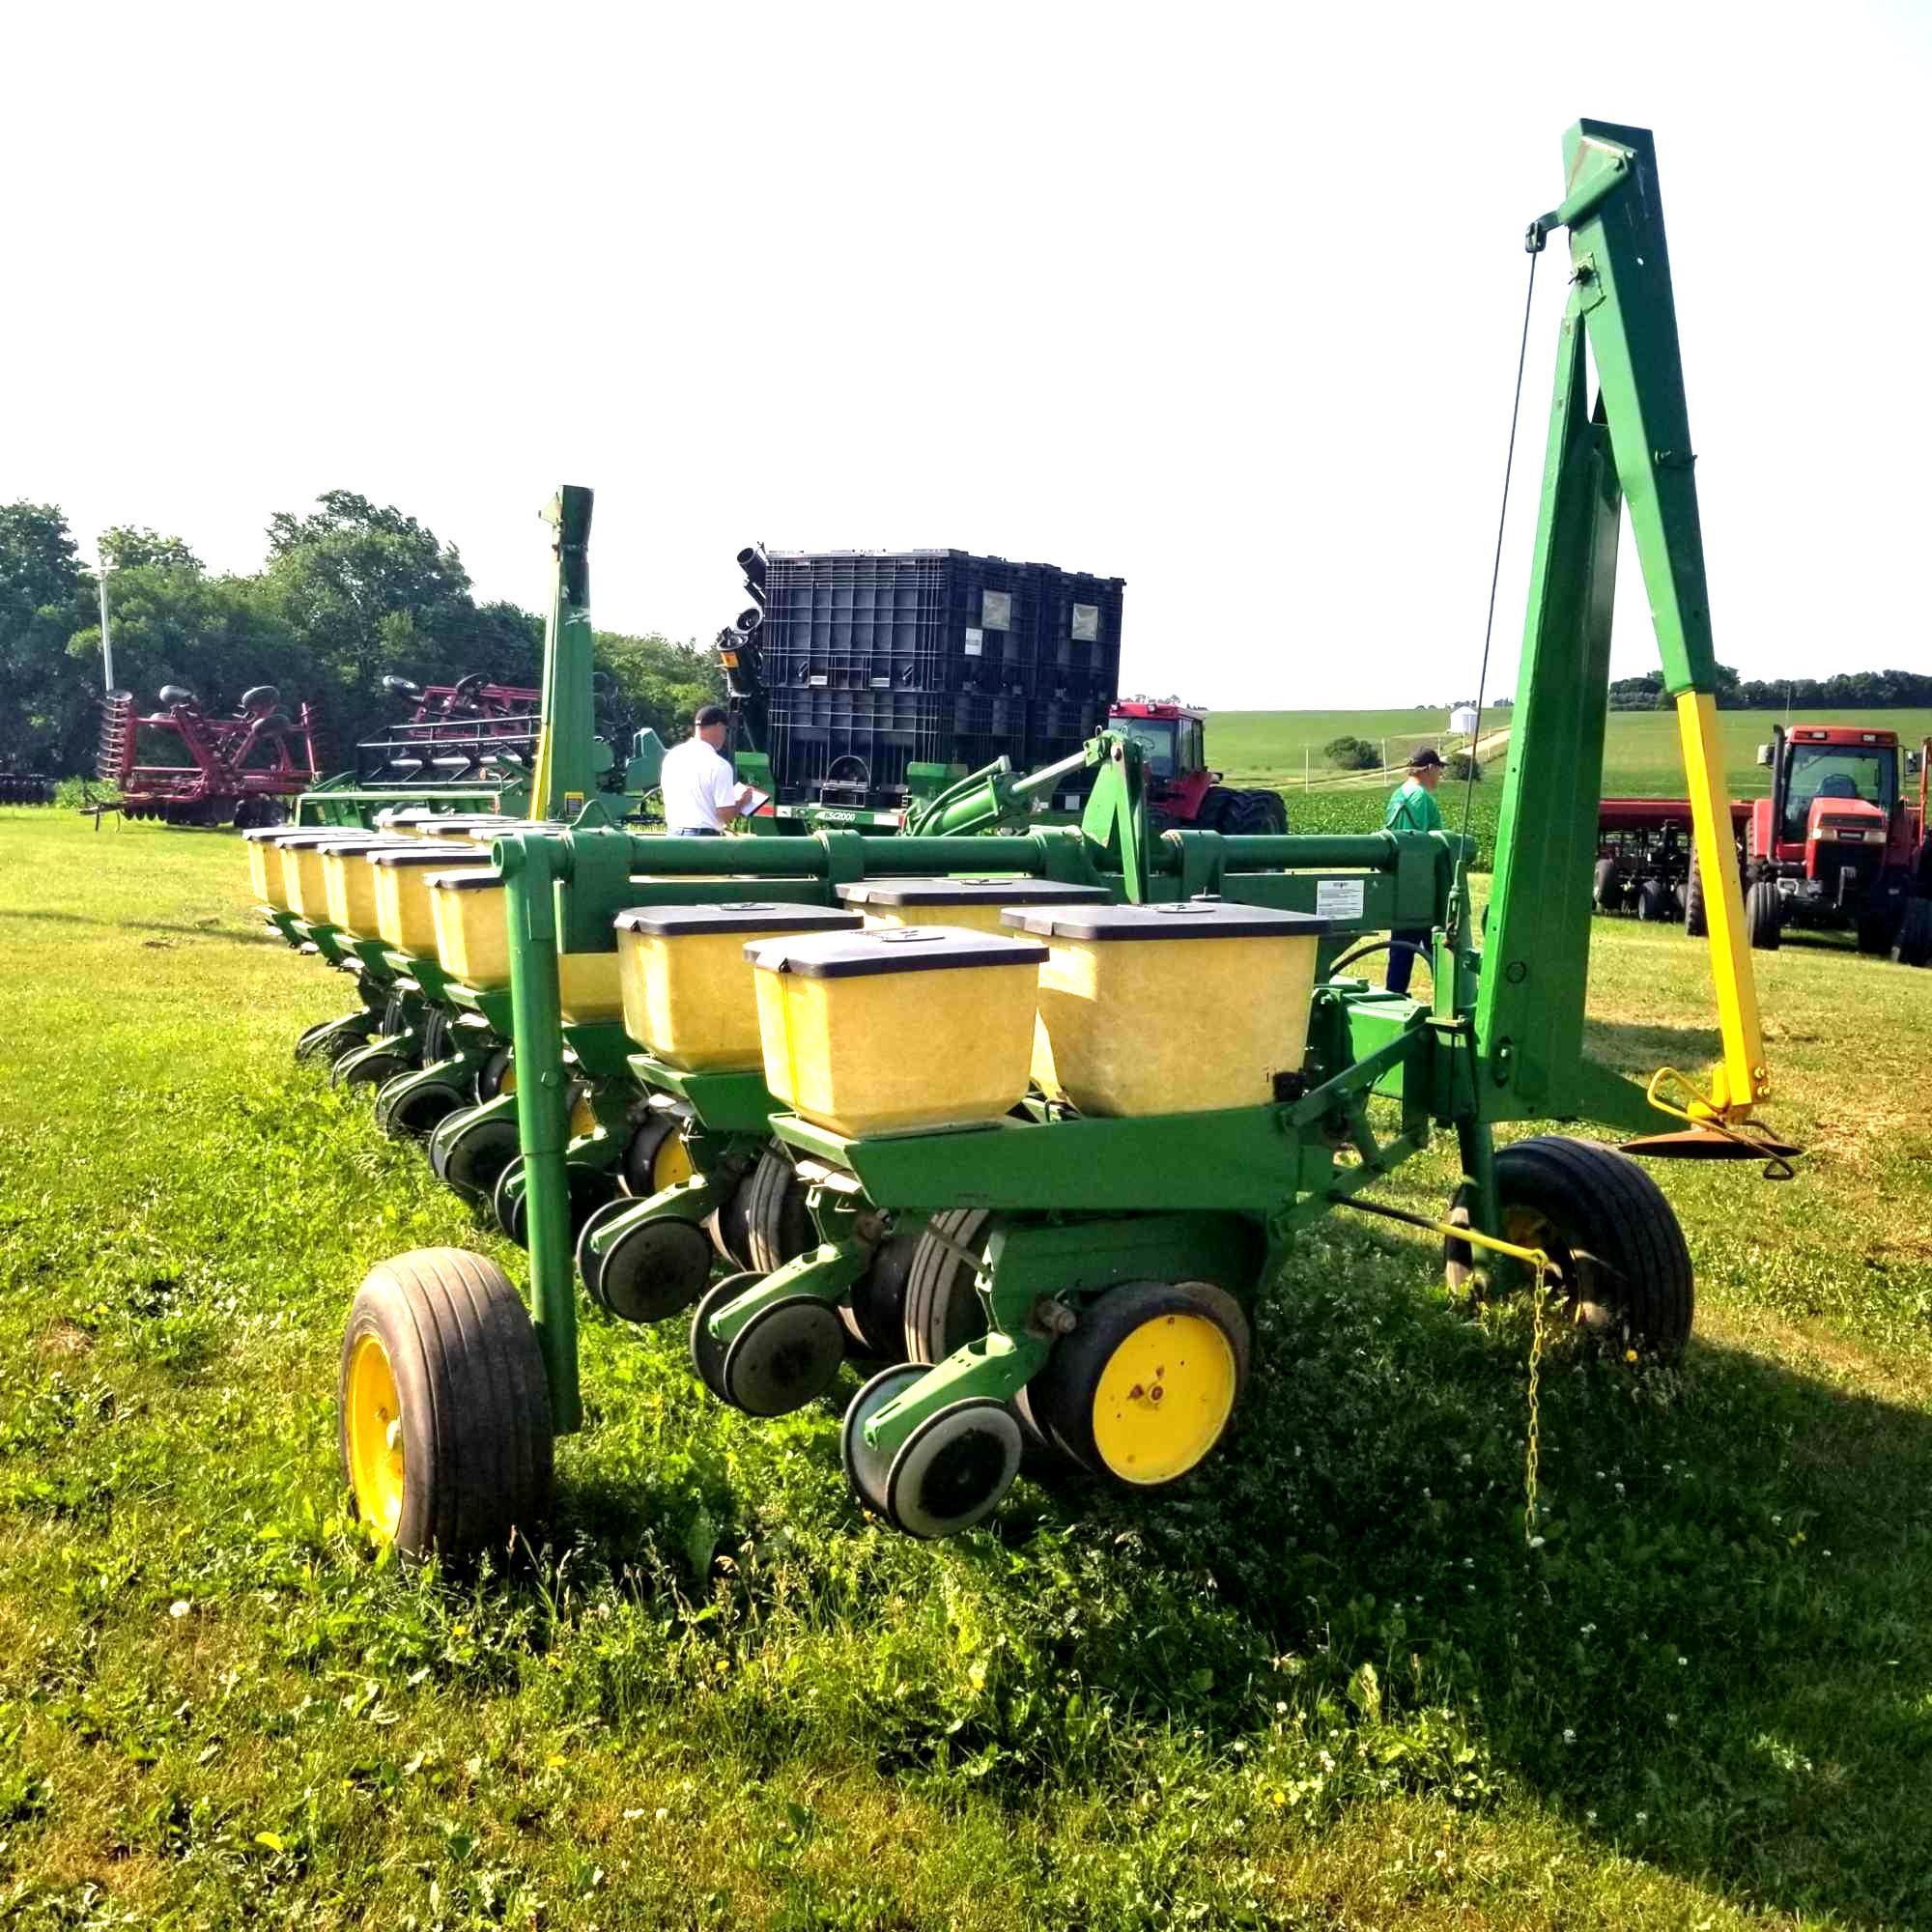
x=475 y=1407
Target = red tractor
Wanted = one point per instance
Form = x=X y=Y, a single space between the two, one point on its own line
x=1837 y=847
x=1180 y=789
x=241 y=767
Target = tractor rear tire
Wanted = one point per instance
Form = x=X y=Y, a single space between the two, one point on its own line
x=1607 y=889
x=1874 y=934
x=1217 y=810
x=1696 y=920
x=443 y=1412
x=1255 y=814
x=1609 y=1229
x=1761 y=916
x=1914 y=945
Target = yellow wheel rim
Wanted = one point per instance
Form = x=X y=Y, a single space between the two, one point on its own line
x=583 y=1117
x=1164 y=1398
x=508 y=1083
x=670 y=1164
x=375 y=1428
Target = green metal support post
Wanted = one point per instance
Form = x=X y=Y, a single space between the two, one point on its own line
x=542 y=1125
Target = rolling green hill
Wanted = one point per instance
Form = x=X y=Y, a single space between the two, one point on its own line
x=1641 y=755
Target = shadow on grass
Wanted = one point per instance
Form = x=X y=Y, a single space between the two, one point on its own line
x=1718 y=1662
x=234 y=938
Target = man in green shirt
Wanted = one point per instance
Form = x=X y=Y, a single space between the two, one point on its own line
x=1412 y=808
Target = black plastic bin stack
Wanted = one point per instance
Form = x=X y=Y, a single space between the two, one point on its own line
x=879 y=660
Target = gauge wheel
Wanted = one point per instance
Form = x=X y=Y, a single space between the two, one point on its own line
x=1143 y=1389
x=1623 y=1271
x=656 y=1157
x=445 y=1424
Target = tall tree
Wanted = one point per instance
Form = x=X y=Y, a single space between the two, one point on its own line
x=47 y=718
x=371 y=591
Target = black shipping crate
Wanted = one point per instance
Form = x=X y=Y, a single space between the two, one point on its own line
x=1028 y=655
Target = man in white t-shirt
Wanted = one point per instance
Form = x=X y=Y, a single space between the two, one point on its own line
x=700 y=795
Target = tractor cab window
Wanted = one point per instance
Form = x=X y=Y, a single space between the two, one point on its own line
x=1190 y=757
x=1155 y=738
x=1870 y=772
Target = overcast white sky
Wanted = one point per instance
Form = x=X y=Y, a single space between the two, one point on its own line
x=1221 y=300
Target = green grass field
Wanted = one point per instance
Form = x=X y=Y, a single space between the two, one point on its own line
x=1641 y=756
x=1328 y=1685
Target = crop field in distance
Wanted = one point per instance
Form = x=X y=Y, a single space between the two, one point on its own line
x=1328 y=1685
x=1641 y=754
x=1642 y=759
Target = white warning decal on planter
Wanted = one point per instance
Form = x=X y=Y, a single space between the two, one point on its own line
x=1338 y=898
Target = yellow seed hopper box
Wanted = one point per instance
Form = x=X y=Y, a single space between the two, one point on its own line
x=689 y=996
x=299 y=854
x=264 y=864
x=349 y=884
x=903 y=1026
x=472 y=939
x=403 y=914
x=1172 y=1008
x=974 y=904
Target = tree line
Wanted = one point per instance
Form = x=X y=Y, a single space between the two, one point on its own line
x=348 y=594
x=1819 y=697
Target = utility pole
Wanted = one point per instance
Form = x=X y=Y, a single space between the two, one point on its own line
x=106 y=641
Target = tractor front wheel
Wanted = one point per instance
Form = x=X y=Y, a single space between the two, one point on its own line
x=443 y=1411
x=1761 y=916
x=1623 y=1272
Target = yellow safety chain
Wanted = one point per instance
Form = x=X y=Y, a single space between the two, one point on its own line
x=1532 y=1453
x=1544 y=1272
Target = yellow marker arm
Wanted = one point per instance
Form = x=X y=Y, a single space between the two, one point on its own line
x=1741 y=1079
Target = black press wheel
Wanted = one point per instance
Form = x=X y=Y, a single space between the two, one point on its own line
x=653 y=1273
x=655 y=1156
x=942 y=1310
x=729 y=1223
x=414 y=1111
x=590 y=1187
x=444 y=1422
x=475 y=1156
x=370 y=1069
x=787 y=1354
x=779 y=1226
x=865 y=1469
x=1761 y=920
x=1143 y=1390
x=1607 y=889
x=495 y=1078
x=1623 y=1268
x=707 y=1357
x=953 y=1469
x=1653 y=902
x=875 y=1309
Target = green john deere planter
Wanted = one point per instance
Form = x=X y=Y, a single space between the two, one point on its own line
x=1038 y=1176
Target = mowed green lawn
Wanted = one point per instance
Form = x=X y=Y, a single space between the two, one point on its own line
x=1328 y=1685
x=1642 y=754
